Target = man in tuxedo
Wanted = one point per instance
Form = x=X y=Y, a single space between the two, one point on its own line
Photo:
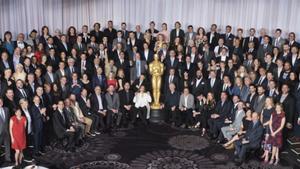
x=110 y=32
x=71 y=68
x=52 y=59
x=132 y=41
x=264 y=48
x=49 y=76
x=61 y=71
x=199 y=84
x=85 y=35
x=249 y=39
x=97 y=33
x=20 y=43
x=217 y=119
x=259 y=102
x=292 y=40
x=84 y=65
x=177 y=32
x=63 y=128
x=171 y=78
x=269 y=65
x=189 y=35
x=141 y=81
x=171 y=61
x=251 y=140
x=171 y=105
x=138 y=33
x=4 y=130
x=123 y=63
x=213 y=37
x=20 y=92
x=228 y=38
x=147 y=54
x=262 y=79
x=189 y=66
x=113 y=106
x=63 y=45
x=126 y=103
x=214 y=84
x=79 y=45
x=125 y=33
x=99 y=79
x=64 y=88
x=272 y=91
x=278 y=41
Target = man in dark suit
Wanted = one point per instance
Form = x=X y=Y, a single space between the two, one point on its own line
x=97 y=33
x=110 y=32
x=38 y=116
x=251 y=140
x=171 y=105
x=189 y=67
x=52 y=59
x=138 y=67
x=213 y=37
x=251 y=97
x=20 y=41
x=5 y=62
x=217 y=119
x=64 y=87
x=4 y=130
x=269 y=65
x=49 y=76
x=199 y=84
x=63 y=45
x=84 y=65
x=99 y=79
x=20 y=92
x=171 y=78
x=126 y=103
x=147 y=54
x=292 y=40
x=86 y=108
x=264 y=48
x=262 y=79
x=63 y=128
x=251 y=38
x=171 y=62
x=259 y=101
x=214 y=84
x=98 y=106
x=177 y=32
x=141 y=81
x=79 y=45
x=228 y=38
x=132 y=41
x=85 y=35
x=125 y=32
x=123 y=63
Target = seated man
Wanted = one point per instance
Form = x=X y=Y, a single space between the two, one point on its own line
x=126 y=103
x=186 y=107
x=232 y=129
x=98 y=105
x=171 y=104
x=251 y=140
x=222 y=112
x=62 y=127
x=113 y=105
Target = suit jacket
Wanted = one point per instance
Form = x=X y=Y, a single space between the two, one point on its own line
x=53 y=62
x=214 y=41
x=247 y=41
x=133 y=72
x=48 y=79
x=254 y=134
x=216 y=88
x=259 y=104
x=175 y=81
x=173 y=36
x=150 y=56
x=201 y=88
x=112 y=102
x=61 y=48
x=99 y=35
x=60 y=123
x=190 y=102
x=37 y=119
x=169 y=65
x=19 y=95
x=86 y=39
x=187 y=37
x=251 y=101
x=136 y=85
x=123 y=98
x=83 y=106
x=223 y=111
x=97 y=82
x=95 y=104
x=228 y=41
x=262 y=51
x=78 y=49
x=280 y=43
x=3 y=67
x=172 y=99
x=4 y=127
x=288 y=107
x=123 y=42
x=140 y=37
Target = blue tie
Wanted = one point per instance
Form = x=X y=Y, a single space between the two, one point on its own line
x=138 y=73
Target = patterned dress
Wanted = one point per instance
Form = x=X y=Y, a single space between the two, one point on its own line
x=276 y=122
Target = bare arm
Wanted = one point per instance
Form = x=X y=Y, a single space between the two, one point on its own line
x=11 y=123
x=281 y=125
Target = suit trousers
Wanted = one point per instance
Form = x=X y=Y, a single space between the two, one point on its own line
x=173 y=116
x=38 y=140
x=215 y=126
x=187 y=117
x=5 y=139
x=142 y=112
x=242 y=149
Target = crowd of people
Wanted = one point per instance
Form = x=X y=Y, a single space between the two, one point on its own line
x=242 y=91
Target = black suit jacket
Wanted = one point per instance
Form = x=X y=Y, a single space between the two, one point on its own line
x=247 y=41
x=60 y=123
x=289 y=108
x=99 y=35
x=37 y=119
x=254 y=134
x=175 y=81
x=224 y=111
x=173 y=36
x=214 y=41
x=200 y=89
x=95 y=105
x=123 y=98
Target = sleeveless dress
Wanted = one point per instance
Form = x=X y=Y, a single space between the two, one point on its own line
x=19 y=133
x=276 y=122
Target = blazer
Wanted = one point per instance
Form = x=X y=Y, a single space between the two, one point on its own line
x=173 y=36
x=172 y=99
x=259 y=104
x=190 y=102
x=123 y=98
x=37 y=119
x=112 y=102
x=223 y=111
x=280 y=44
x=288 y=107
x=254 y=134
x=133 y=72
x=201 y=88
x=214 y=41
x=95 y=104
x=60 y=123
x=247 y=41
x=175 y=81
x=262 y=51
x=140 y=37
x=187 y=37
x=150 y=56
x=99 y=35
x=97 y=82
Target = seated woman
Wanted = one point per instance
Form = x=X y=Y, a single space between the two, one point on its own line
x=141 y=101
x=245 y=125
x=199 y=113
x=186 y=106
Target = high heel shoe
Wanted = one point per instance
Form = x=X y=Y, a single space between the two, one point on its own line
x=276 y=162
x=203 y=133
x=271 y=161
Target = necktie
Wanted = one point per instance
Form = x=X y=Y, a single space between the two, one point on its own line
x=62 y=114
x=138 y=68
x=23 y=93
x=171 y=79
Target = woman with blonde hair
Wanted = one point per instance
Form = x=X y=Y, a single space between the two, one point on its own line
x=19 y=74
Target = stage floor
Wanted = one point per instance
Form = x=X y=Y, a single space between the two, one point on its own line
x=152 y=147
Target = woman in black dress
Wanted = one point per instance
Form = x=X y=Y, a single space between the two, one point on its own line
x=86 y=83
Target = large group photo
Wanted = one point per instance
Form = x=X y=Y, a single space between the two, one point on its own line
x=115 y=85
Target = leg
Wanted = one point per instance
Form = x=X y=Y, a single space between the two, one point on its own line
x=88 y=123
x=109 y=119
x=143 y=114
x=17 y=157
x=6 y=139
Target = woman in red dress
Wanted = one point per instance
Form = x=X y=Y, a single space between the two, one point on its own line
x=17 y=128
x=276 y=125
x=111 y=80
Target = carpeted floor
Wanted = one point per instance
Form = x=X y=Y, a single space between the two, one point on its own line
x=154 y=147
